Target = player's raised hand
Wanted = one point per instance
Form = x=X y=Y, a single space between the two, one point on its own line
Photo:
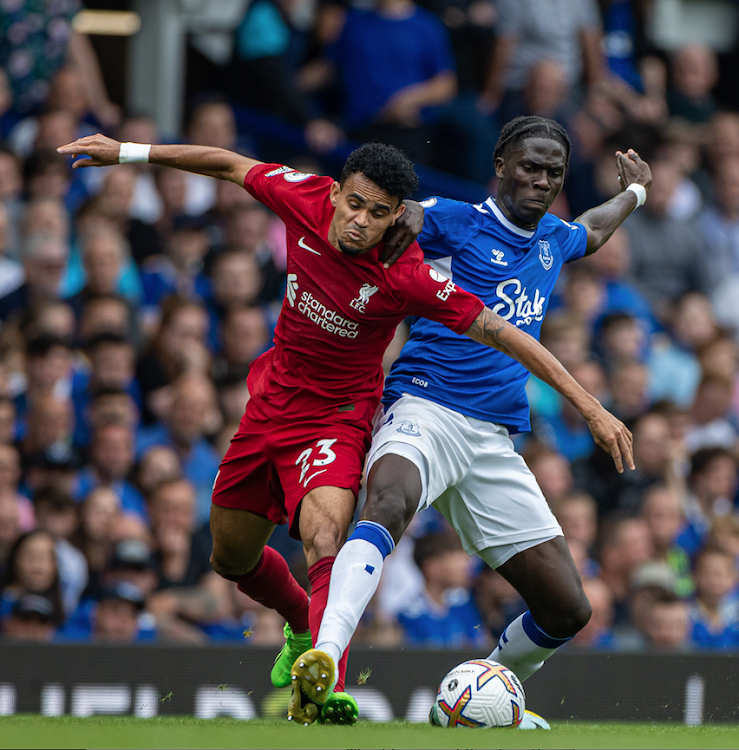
x=401 y=235
x=612 y=435
x=101 y=150
x=632 y=169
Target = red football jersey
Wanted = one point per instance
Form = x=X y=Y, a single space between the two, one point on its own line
x=339 y=312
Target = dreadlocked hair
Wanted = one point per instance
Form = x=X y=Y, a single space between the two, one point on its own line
x=388 y=167
x=531 y=126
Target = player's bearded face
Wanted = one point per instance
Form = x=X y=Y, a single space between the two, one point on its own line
x=531 y=176
x=363 y=212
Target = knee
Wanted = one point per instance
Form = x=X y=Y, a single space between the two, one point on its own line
x=325 y=541
x=567 y=619
x=578 y=615
x=232 y=567
x=390 y=507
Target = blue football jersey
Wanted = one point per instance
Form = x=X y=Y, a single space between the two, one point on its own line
x=513 y=271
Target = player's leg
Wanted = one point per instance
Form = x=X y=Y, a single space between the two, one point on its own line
x=501 y=514
x=324 y=518
x=413 y=436
x=547 y=579
x=394 y=489
x=247 y=503
x=240 y=554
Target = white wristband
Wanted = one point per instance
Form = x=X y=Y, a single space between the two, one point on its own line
x=133 y=153
x=640 y=192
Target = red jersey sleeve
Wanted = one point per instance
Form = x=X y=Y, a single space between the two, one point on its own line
x=429 y=294
x=290 y=194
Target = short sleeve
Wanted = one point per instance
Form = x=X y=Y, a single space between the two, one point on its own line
x=572 y=240
x=448 y=226
x=429 y=294
x=290 y=194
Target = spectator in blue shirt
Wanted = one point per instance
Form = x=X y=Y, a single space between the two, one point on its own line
x=180 y=269
x=399 y=91
x=114 y=616
x=444 y=614
x=713 y=624
x=131 y=564
x=567 y=432
x=31 y=619
x=111 y=461
x=598 y=633
x=712 y=486
x=191 y=415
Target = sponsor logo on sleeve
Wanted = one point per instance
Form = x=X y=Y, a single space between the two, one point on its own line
x=279 y=170
x=297 y=176
x=436 y=276
x=449 y=286
x=428 y=202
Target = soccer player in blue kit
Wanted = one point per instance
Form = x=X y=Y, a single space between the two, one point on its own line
x=451 y=404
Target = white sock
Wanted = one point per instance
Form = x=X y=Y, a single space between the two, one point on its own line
x=524 y=647
x=355 y=577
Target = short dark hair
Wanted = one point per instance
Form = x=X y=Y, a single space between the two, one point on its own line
x=53 y=496
x=41 y=345
x=40 y=161
x=434 y=545
x=703 y=457
x=520 y=128
x=106 y=337
x=616 y=319
x=104 y=391
x=388 y=167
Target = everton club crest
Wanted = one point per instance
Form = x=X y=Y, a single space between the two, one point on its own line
x=545 y=255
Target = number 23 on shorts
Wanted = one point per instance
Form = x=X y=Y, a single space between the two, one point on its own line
x=321 y=455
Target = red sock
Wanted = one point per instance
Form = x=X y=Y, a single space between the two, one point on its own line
x=320 y=577
x=271 y=583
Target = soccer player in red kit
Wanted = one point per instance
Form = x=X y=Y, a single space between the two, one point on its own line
x=298 y=453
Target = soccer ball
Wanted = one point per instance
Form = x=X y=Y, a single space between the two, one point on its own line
x=479 y=694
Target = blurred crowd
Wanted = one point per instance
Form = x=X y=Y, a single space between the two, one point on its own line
x=133 y=300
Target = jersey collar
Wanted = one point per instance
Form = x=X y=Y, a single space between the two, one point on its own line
x=507 y=223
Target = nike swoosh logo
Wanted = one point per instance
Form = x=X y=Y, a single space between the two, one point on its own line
x=301 y=243
x=315 y=473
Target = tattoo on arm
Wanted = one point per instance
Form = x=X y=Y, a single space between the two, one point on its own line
x=487 y=329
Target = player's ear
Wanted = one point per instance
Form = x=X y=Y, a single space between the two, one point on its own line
x=334 y=194
x=399 y=211
x=499 y=165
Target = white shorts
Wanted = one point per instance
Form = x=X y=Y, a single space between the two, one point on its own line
x=471 y=473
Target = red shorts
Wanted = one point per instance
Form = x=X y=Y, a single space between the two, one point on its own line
x=269 y=467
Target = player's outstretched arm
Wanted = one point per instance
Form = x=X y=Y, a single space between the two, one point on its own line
x=610 y=433
x=602 y=221
x=213 y=162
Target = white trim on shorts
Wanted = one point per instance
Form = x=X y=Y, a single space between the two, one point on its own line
x=454 y=455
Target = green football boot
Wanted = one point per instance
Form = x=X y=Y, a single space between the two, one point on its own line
x=339 y=708
x=295 y=644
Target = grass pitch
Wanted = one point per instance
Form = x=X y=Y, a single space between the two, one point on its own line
x=32 y=731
